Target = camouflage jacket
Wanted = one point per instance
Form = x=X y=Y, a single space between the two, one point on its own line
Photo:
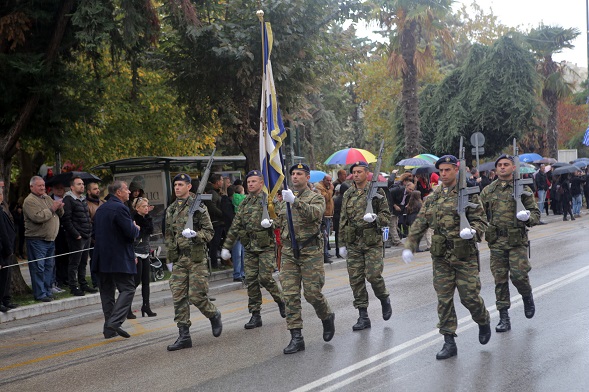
x=178 y=245
x=307 y=214
x=247 y=228
x=439 y=213
x=355 y=230
x=498 y=201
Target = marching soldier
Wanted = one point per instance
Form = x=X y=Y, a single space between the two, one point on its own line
x=308 y=269
x=257 y=236
x=363 y=244
x=187 y=252
x=454 y=255
x=508 y=239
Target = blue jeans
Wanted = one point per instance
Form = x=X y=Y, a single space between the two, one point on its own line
x=42 y=270
x=541 y=200
x=237 y=257
x=577 y=202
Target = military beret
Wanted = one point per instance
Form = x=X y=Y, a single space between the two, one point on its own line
x=256 y=173
x=182 y=177
x=360 y=164
x=451 y=159
x=505 y=156
x=300 y=166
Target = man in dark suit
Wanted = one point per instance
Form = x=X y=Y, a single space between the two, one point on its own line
x=114 y=259
x=7 y=236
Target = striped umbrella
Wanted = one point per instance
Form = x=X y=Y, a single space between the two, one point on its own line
x=428 y=157
x=350 y=155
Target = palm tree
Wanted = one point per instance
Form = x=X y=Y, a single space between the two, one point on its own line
x=545 y=41
x=414 y=26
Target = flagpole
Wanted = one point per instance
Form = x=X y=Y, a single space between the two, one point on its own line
x=264 y=127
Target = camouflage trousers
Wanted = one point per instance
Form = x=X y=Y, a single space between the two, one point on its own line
x=258 y=273
x=450 y=274
x=308 y=270
x=510 y=263
x=189 y=285
x=365 y=264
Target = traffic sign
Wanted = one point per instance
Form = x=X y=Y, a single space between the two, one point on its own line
x=479 y=150
x=477 y=139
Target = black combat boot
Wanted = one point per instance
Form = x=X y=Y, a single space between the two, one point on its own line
x=216 y=324
x=529 y=307
x=484 y=333
x=255 y=321
x=328 y=327
x=282 y=309
x=504 y=323
x=183 y=341
x=449 y=349
x=387 y=310
x=363 y=320
x=297 y=343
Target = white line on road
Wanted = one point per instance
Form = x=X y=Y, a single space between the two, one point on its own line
x=516 y=301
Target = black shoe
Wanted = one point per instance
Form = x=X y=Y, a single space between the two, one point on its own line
x=184 y=340
x=449 y=348
x=282 y=309
x=363 y=321
x=297 y=343
x=147 y=309
x=387 y=310
x=78 y=292
x=329 y=327
x=484 y=333
x=131 y=315
x=572 y=218
x=10 y=305
x=504 y=322
x=255 y=321
x=119 y=331
x=216 y=324
x=108 y=334
x=4 y=309
x=45 y=299
x=238 y=280
x=529 y=306
x=89 y=289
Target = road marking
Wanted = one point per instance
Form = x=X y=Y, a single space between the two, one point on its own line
x=516 y=301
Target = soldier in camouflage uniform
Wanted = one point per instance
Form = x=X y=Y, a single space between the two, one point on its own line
x=187 y=252
x=257 y=236
x=363 y=244
x=454 y=254
x=307 y=212
x=507 y=236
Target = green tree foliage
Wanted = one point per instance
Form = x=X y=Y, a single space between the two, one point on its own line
x=545 y=41
x=493 y=92
x=216 y=63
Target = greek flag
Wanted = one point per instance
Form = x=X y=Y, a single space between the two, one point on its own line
x=586 y=138
x=272 y=131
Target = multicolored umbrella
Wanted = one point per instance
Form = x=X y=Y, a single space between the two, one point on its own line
x=428 y=157
x=350 y=155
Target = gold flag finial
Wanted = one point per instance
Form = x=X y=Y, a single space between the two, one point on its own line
x=260 y=14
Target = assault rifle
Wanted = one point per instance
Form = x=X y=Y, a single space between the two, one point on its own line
x=518 y=182
x=464 y=191
x=374 y=184
x=196 y=205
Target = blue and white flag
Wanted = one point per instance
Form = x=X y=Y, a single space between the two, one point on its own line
x=272 y=131
x=586 y=138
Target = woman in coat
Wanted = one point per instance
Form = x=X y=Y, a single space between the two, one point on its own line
x=142 y=249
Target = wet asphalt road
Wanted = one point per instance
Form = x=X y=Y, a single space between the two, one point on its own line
x=546 y=353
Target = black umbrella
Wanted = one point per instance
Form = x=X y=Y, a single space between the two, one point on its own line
x=427 y=169
x=487 y=166
x=560 y=164
x=66 y=178
x=565 y=170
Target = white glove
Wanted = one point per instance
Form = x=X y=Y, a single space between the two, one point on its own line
x=225 y=254
x=187 y=233
x=288 y=196
x=523 y=215
x=369 y=218
x=467 y=234
x=266 y=223
x=407 y=256
x=170 y=266
x=343 y=252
